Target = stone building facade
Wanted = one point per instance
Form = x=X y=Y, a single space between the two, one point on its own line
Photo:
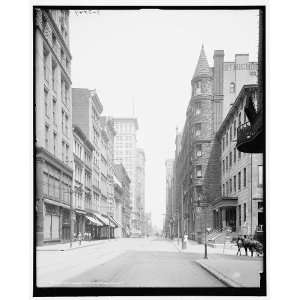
x=82 y=165
x=53 y=131
x=125 y=153
x=241 y=205
x=122 y=176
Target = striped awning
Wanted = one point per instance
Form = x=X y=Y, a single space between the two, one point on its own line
x=102 y=219
x=111 y=222
x=94 y=221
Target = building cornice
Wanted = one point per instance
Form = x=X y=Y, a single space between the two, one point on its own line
x=42 y=153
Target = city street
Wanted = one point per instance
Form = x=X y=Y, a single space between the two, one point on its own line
x=123 y=263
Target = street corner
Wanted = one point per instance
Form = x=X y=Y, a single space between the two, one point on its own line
x=204 y=263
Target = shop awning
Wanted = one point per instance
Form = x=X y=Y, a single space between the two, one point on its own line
x=102 y=219
x=56 y=203
x=94 y=220
x=110 y=221
x=118 y=223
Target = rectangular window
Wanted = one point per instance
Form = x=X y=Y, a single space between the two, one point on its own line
x=198 y=150
x=54 y=110
x=260 y=175
x=239 y=154
x=234 y=155
x=62 y=90
x=53 y=76
x=230 y=185
x=199 y=171
x=47 y=137
x=198 y=129
x=226 y=188
x=223 y=189
x=226 y=163
x=66 y=125
x=245 y=212
x=46 y=102
x=197 y=109
x=230 y=134
x=223 y=166
x=230 y=159
x=234 y=183
x=54 y=143
x=240 y=118
x=45 y=65
x=245 y=177
x=226 y=138
x=223 y=143
x=240 y=215
x=239 y=181
x=67 y=153
x=62 y=120
x=63 y=151
x=234 y=128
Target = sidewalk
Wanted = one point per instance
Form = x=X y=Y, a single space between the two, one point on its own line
x=75 y=245
x=195 y=247
x=232 y=270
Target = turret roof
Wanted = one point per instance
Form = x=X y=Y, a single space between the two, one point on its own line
x=202 y=67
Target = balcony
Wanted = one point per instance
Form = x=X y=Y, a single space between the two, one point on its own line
x=251 y=137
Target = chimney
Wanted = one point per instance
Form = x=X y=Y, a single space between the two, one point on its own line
x=218 y=72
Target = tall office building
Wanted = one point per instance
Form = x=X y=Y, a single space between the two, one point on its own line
x=53 y=104
x=125 y=152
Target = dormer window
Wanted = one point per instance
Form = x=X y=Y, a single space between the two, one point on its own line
x=199 y=171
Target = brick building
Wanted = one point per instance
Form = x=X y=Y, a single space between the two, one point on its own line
x=240 y=206
x=53 y=104
x=197 y=167
x=197 y=173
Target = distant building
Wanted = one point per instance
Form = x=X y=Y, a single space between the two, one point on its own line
x=237 y=73
x=240 y=206
x=123 y=178
x=53 y=104
x=125 y=153
x=170 y=204
x=140 y=190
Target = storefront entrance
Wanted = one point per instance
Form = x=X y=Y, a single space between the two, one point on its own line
x=51 y=223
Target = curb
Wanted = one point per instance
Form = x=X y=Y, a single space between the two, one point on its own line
x=69 y=249
x=221 y=277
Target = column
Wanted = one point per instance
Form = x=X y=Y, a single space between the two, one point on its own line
x=39 y=202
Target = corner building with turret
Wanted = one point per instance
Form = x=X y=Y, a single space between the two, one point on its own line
x=197 y=164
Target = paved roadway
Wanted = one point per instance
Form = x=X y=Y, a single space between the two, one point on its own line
x=123 y=263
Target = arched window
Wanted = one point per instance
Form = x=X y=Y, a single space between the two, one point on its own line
x=232 y=87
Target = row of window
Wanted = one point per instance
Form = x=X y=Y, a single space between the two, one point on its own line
x=228 y=162
x=230 y=134
x=64 y=87
x=234 y=184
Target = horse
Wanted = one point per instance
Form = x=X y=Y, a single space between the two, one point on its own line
x=249 y=244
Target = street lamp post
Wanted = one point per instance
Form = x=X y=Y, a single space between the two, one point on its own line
x=71 y=217
x=205 y=235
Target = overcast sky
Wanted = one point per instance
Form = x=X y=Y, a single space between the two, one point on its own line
x=148 y=58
